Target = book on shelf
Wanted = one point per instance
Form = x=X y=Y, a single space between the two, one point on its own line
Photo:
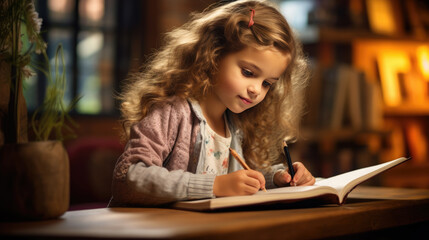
x=328 y=95
x=372 y=105
x=331 y=190
x=349 y=100
x=342 y=80
x=417 y=141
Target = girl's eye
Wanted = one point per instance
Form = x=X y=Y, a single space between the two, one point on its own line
x=266 y=84
x=247 y=72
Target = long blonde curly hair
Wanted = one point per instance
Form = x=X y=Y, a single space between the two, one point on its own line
x=185 y=66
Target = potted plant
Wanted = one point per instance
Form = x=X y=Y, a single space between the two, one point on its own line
x=34 y=173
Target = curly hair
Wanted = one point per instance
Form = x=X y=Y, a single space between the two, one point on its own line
x=187 y=62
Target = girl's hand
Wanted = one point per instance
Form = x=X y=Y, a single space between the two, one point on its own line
x=302 y=177
x=241 y=182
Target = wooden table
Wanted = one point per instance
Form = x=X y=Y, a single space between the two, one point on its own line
x=370 y=212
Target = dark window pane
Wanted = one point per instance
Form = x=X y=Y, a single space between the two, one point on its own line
x=61 y=36
x=95 y=56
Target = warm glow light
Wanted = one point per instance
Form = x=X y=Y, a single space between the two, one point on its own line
x=381 y=16
x=59 y=6
x=423 y=61
x=92 y=9
x=391 y=63
x=408 y=58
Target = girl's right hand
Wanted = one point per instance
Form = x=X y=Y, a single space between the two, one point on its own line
x=241 y=182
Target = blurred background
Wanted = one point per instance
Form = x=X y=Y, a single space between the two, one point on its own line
x=368 y=101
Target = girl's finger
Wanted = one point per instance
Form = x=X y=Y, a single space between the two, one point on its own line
x=257 y=175
x=250 y=190
x=285 y=177
x=310 y=180
x=299 y=171
x=252 y=182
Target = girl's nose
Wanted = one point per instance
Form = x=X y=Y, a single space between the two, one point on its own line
x=254 y=90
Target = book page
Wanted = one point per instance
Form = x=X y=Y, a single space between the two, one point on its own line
x=345 y=182
x=338 y=185
x=272 y=195
x=291 y=190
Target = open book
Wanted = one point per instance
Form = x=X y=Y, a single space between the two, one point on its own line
x=333 y=190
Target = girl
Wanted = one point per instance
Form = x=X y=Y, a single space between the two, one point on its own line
x=233 y=76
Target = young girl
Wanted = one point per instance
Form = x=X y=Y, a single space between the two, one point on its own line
x=232 y=77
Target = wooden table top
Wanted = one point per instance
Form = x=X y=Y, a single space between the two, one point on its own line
x=367 y=209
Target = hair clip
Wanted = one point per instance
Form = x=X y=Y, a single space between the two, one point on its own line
x=251 y=22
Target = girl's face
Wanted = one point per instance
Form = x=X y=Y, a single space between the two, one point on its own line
x=245 y=77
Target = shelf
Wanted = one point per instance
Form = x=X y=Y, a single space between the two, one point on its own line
x=407 y=111
x=344 y=134
x=334 y=35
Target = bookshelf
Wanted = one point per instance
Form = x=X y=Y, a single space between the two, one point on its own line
x=396 y=68
x=410 y=111
x=398 y=56
x=335 y=35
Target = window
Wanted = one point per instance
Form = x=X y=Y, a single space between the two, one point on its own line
x=86 y=30
x=297 y=14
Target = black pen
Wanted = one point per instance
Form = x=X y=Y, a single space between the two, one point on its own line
x=288 y=159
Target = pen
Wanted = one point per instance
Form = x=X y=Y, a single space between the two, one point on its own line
x=242 y=162
x=288 y=159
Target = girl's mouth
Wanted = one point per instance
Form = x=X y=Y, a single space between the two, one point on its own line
x=245 y=100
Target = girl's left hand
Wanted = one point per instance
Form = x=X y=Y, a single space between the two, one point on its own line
x=302 y=177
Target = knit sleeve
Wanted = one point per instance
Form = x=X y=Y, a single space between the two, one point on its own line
x=151 y=186
x=140 y=175
x=269 y=175
x=151 y=140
